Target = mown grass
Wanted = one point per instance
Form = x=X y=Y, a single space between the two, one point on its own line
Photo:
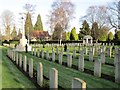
x=11 y=76
x=67 y=74
x=106 y=69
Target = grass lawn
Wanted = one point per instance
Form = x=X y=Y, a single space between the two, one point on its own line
x=11 y=76
x=106 y=69
x=67 y=74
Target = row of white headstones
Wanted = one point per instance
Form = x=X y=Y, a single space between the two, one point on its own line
x=73 y=44
x=53 y=75
x=97 y=63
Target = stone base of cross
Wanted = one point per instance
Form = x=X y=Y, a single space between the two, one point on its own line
x=22 y=45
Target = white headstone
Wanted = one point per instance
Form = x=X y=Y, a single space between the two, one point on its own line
x=47 y=55
x=117 y=72
x=14 y=56
x=17 y=58
x=53 y=56
x=31 y=67
x=81 y=61
x=42 y=53
x=97 y=67
x=20 y=61
x=69 y=61
x=78 y=84
x=102 y=57
x=40 y=74
x=25 y=64
x=53 y=78
x=117 y=68
x=74 y=53
x=60 y=58
x=90 y=56
x=57 y=50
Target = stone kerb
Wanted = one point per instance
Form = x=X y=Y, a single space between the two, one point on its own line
x=97 y=67
x=69 y=60
x=40 y=74
x=53 y=78
x=31 y=67
x=78 y=84
x=81 y=61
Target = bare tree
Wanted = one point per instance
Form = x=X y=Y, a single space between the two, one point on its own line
x=96 y=14
x=61 y=14
x=30 y=8
x=114 y=14
x=7 y=18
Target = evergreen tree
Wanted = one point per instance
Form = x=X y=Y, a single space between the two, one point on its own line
x=85 y=30
x=95 y=31
x=73 y=35
x=8 y=36
x=57 y=32
x=110 y=36
x=117 y=36
x=19 y=36
x=68 y=36
x=28 y=25
x=38 y=24
x=14 y=33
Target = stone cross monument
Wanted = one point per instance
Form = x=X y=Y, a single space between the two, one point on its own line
x=23 y=41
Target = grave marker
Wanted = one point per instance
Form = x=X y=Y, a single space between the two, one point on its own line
x=40 y=74
x=53 y=78
x=53 y=56
x=81 y=61
x=31 y=67
x=78 y=84
x=90 y=56
x=60 y=58
x=25 y=64
x=69 y=61
x=97 y=67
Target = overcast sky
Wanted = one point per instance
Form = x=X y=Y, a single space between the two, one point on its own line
x=44 y=6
